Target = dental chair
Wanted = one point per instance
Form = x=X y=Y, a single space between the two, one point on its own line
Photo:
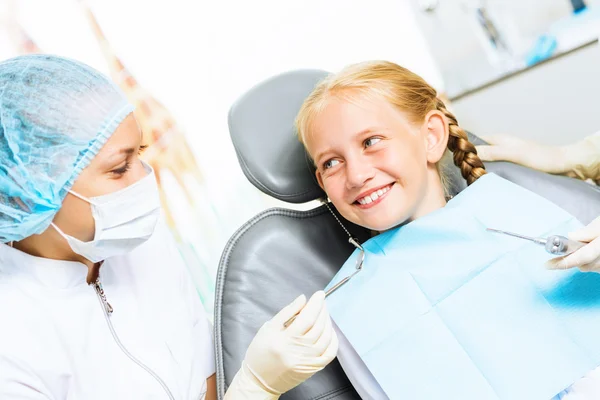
x=282 y=253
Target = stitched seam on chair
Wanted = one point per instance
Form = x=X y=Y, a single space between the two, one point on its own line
x=332 y=393
x=222 y=273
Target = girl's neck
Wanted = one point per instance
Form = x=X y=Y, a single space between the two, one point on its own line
x=434 y=199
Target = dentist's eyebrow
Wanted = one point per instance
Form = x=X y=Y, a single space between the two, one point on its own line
x=118 y=156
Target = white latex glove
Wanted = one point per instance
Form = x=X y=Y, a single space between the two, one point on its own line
x=279 y=358
x=578 y=160
x=544 y=158
x=586 y=258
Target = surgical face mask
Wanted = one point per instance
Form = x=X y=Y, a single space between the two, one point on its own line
x=124 y=220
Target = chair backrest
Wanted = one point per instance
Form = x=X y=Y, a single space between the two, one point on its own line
x=282 y=253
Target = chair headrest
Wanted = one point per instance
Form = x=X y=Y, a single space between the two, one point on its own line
x=261 y=125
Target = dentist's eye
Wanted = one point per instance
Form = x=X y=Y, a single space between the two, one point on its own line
x=371 y=141
x=123 y=170
x=330 y=164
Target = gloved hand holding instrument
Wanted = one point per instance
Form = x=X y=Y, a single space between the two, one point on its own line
x=581 y=249
x=280 y=358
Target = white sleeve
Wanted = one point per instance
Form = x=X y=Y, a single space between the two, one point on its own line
x=584 y=157
x=202 y=329
x=17 y=382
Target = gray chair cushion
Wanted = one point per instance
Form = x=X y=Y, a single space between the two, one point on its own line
x=261 y=125
x=280 y=253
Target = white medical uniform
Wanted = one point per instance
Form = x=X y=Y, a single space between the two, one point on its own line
x=587 y=388
x=56 y=343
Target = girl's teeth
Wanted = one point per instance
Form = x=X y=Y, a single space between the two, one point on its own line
x=374 y=196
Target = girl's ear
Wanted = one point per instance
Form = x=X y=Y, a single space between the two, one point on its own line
x=319 y=179
x=436 y=131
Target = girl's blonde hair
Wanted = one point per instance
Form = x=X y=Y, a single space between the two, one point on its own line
x=403 y=89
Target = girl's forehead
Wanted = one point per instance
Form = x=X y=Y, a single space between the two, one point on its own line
x=350 y=116
x=342 y=121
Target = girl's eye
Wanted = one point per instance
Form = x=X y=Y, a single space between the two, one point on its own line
x=371 y=141
x=330 y=164
x=142 y=148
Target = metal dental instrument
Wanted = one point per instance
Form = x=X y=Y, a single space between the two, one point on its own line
x=359 y=264
x=554 y=244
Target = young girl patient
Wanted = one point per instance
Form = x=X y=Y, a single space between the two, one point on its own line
x=376 y=133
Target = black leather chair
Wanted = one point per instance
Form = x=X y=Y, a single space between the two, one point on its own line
x=281 y=253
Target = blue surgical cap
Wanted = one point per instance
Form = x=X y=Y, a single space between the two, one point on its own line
x=55 y=115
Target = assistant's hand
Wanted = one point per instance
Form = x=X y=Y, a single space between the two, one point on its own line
x=586 y=258
x=551 y=159
x=578 y=160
